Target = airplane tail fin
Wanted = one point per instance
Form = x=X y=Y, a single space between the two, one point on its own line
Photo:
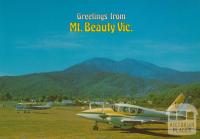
x=180 y=99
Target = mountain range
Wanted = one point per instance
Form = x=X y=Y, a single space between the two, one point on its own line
x=136 y=68
x=100 y=77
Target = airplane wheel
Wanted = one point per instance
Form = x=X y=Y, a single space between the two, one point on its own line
x=96 y=128
x=116 y=126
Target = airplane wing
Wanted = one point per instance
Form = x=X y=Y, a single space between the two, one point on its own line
x=139 y=121
x=130 y=120
x=40 y=107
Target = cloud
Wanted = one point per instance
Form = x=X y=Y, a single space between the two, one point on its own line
x=163 y=47
x=63 y=41
x=4 y=74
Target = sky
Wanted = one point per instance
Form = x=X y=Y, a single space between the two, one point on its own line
x=35 y=37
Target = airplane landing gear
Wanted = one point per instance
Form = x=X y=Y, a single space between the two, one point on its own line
x=96 y=127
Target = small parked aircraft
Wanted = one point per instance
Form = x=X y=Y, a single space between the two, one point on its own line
x=26 y=107
x=126 y=116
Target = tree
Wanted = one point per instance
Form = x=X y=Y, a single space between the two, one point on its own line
x=51 y=98
x=42 y=99
x=6 y=96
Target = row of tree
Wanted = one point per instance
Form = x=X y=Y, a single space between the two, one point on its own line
x=152 y=99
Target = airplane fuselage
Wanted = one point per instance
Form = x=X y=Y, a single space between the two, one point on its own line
x=125 y=115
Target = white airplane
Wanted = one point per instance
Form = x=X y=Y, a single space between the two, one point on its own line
x=126 y=116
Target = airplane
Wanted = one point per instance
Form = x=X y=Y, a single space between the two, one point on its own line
x=126 y=116
x=26 y=107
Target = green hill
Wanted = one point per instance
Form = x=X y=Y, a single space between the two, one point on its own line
x=166 y=97
x=78 y=84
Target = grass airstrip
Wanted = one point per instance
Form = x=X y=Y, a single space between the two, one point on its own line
x=62 y=123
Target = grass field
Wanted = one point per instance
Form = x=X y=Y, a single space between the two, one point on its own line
x=62 y=123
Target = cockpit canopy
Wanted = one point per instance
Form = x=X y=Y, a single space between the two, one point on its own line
x=127 y=108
